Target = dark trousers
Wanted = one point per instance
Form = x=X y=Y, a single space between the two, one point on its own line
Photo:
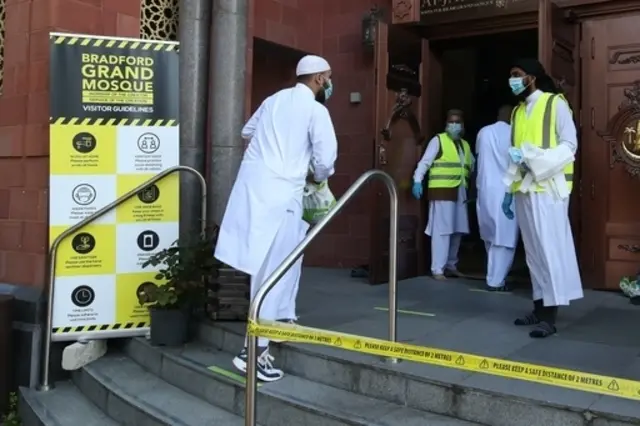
x=547 y=314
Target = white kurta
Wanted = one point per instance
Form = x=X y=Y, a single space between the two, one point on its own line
x=499 y=233
x=448 y=220
x=492 y=149
x=263 y=219
x=546 y=230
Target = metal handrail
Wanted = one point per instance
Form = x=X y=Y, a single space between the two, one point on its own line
x=53 y=251
x=256 y=304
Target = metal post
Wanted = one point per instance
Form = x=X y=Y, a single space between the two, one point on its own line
x=194 y=28
x=252 y=341
x=227 y=99
x=393 y=264
x=45 y=350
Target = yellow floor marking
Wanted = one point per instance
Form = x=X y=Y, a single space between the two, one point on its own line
x=229 y=374
x=402 y=311
x=480 y=290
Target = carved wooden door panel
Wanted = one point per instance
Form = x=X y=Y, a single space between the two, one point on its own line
x=398 y=141
x=558 y=51
x=611 y=101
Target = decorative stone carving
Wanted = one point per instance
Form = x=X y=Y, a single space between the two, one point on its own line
x=405 y=11
x=623 y=132
x=402 y=111
x=159 y=20
x=625 y=58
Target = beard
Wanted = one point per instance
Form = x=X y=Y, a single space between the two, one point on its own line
x=524 y=95
x=321 y=97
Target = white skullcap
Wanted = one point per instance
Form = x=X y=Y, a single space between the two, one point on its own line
x=312 y=64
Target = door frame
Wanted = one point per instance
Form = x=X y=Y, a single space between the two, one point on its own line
x=528 y=19
x=384 y=119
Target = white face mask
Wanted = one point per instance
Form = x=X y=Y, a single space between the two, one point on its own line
x=328 y=89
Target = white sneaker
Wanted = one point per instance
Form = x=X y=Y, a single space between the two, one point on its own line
x=286 y=321
x=79 y=354
x=266 y=371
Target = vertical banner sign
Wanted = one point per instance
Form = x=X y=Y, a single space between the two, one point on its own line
x=113 y=126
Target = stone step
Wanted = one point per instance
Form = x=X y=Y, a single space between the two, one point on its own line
x=209 y=374
x=475 y=397
x=64 y=405
x=132 y=396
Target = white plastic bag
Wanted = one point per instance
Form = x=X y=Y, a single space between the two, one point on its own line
x=316 y=202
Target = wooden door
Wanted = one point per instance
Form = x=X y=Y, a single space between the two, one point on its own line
x=397 y=144
x=558 y=51
x=611 y=85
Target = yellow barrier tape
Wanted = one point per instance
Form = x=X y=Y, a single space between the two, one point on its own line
x=576 y=380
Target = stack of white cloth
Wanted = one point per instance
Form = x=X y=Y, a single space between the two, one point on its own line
x=534 y=166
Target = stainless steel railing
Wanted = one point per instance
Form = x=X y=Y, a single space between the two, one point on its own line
x=45 y=350
x=256 y=304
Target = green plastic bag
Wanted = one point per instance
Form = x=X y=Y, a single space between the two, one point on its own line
x=317 y=201
x=630 y=288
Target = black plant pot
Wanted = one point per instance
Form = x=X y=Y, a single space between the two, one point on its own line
x=169 y=327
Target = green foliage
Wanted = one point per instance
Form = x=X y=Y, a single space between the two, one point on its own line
x=184 y=267
x=12 y=418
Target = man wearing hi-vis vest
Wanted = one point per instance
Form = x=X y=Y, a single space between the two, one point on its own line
x=449 y=161
x=544 y=143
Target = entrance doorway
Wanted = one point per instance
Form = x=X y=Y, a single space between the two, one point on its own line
x=475 y=73
x=456 y=66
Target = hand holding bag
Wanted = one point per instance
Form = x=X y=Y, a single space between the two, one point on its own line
x=317 y=201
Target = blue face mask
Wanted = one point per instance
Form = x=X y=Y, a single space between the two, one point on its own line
x=517 y=85
x=328 y=89
x=454 y=130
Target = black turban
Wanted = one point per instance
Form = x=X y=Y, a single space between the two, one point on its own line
x=534 y=68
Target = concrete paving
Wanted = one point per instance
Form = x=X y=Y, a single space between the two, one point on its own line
x=598 y=334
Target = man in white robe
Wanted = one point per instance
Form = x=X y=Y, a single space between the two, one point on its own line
x=263 y=223
x=500 y=235
x=448 y=216
x=543 y=214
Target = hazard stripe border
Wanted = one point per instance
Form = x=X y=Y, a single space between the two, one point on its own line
x=95 y=121
x=100 y=327
x=71 y=39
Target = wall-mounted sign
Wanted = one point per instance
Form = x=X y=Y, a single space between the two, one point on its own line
x=429 y=7
x=113 y=126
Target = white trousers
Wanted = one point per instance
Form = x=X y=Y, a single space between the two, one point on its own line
x=280 y=302
x=444 y=252
x=499 y=262
x=549 y=247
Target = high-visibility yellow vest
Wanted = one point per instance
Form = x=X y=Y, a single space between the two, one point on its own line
x=447 y=171
x=539 y=129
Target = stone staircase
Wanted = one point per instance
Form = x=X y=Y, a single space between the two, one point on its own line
x=142 y=385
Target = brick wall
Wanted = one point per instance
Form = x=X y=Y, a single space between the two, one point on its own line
x=327 y=27
x=24 y=112
x=346 y=243
x=331 y=28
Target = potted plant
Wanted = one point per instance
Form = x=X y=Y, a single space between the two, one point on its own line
x=184 y=267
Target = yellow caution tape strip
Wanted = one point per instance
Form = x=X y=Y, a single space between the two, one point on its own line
x=576 y=380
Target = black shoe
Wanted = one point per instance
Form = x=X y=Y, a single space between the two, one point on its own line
x=542 y=330
x=503 y=288
x=531 y=319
